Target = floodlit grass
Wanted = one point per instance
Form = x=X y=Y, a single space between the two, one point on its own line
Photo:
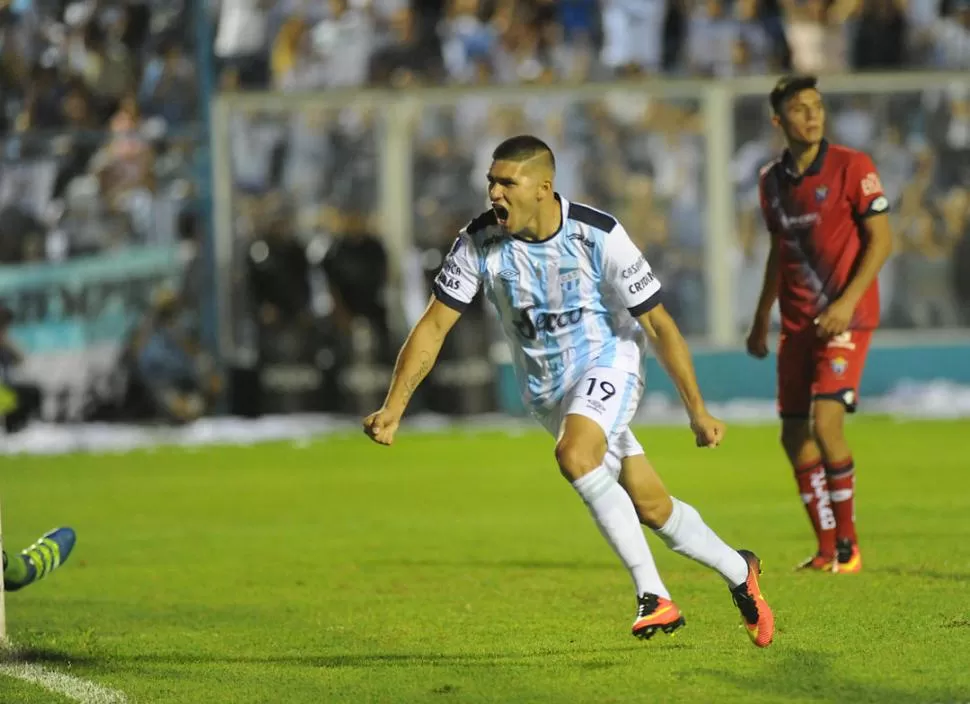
x=462 y=568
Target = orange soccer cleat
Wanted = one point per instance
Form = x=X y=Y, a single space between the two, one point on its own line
x=756 y=615
x=655 y=613
x=848 y=558
x=816 y=563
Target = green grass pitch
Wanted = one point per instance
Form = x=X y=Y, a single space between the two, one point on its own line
x=461 y=568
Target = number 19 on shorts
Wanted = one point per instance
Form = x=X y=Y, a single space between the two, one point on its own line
x=608 y=396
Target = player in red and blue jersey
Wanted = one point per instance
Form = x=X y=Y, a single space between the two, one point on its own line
x=828 y=217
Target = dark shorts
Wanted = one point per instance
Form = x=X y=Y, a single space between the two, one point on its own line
x=810 y=367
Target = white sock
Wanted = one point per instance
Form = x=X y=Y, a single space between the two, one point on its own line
x=617 y=519
x=686 y=533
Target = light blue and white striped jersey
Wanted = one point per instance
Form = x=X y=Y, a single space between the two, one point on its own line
x=566 y=304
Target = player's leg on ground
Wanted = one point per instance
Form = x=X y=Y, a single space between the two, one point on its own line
x=647 y=491
x=37 y=561
x=681 y=527
x=678 y=524
x=580 y=453
x=797 y=372
x=806 y=461
x=828 y=417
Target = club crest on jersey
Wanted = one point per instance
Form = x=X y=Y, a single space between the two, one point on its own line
x=839 y=365
x=568 y=273
x=569 y=279
x=820 y=193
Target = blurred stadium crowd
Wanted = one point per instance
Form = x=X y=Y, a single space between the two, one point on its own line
x=102 y=145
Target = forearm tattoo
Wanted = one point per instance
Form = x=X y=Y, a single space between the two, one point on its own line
x=411 y=384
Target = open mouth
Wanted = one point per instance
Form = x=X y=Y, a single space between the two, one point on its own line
x=501 y=212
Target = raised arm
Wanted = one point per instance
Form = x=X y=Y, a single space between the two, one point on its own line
x=418 y=355
x=454 y=288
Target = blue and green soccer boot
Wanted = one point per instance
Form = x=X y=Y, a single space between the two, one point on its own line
x=39 y=560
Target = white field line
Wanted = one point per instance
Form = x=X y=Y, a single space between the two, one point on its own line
x=83 y=691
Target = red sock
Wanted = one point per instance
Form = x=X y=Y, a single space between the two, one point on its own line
x=841 y=482
x=815 y=496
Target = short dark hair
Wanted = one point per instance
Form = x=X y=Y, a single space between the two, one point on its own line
x=522 y=148
x=788 y=86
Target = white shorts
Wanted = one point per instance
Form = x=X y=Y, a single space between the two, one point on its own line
x=611 y=398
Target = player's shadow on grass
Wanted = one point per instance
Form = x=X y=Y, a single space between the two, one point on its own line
x=804 y=674
x=45 y=656
x=921 y=573
x=506 y=564
x=589 y=659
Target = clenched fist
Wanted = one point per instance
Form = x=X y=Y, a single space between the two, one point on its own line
x=708 y=430
x=381 y=425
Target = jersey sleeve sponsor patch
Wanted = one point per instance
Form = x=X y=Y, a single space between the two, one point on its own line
x=459 y=278
x=870 y=184
x=628 y=272
x=865 y=187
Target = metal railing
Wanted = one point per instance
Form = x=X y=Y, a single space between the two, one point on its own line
x=427 y=148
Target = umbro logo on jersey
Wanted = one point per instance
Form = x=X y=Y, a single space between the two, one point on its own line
x=509 y=274
x=579 y=236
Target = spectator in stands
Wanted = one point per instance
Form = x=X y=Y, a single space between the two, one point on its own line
x=242 y=41
x=881 y=36
x=279 y=273
x=21 y=231
x=951 y=38
x=466 y=37
x=633 y=32
x=816 y=34
x=928 y=253
x=295 y=63
x=168 y=87
x=19 y=401
x=180 y=380
x=405 y=60
x=100 y=57
x=356 y=269
x=711 y=37
x=76 y=142
x=126 y=162
x=755 y=51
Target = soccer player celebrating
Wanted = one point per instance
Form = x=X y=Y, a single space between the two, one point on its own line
x=824 y=207
x=578 y=303
x=39 y=560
